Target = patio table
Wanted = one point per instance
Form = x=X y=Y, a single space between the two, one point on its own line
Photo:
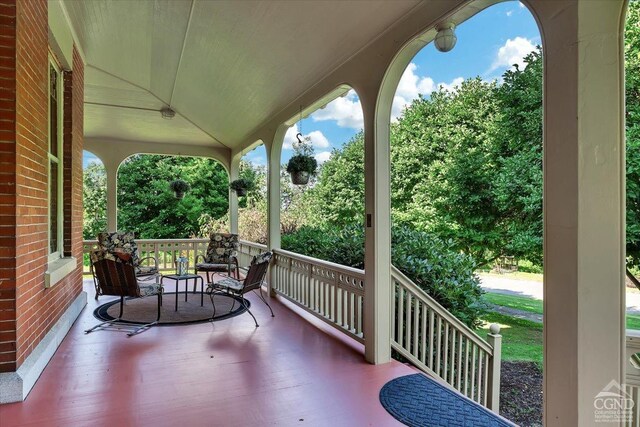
x=177 y=278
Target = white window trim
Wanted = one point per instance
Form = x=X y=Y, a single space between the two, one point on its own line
x=59 y=159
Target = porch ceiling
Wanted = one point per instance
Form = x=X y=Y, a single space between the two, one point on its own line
x=224 y=66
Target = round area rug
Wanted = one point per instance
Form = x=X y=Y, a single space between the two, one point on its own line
x=144 y=310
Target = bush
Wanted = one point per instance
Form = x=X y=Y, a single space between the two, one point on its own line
x=528 y=267
x=433 y=264
x=440 y=270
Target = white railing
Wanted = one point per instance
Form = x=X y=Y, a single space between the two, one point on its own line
x=332 y=292
x=440 y=344
x=632 y=376
x=247 y=250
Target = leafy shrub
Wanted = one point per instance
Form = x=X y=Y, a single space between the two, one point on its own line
x=528 y=267
x=439 y=269
x=431 y=263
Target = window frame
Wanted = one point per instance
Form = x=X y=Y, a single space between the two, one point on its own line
x=57 y=158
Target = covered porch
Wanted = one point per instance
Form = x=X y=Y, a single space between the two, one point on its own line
x=234 y=76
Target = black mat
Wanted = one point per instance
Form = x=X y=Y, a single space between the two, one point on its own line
x=144 y=310
x=417 y=400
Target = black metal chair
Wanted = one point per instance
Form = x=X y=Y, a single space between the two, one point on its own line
x=115 y=275
x=220 y=255
x=238 y=288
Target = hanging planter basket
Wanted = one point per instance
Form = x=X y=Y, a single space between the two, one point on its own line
x=179 y=187
x=241 y=192
x=300 y=177
x=241 y=186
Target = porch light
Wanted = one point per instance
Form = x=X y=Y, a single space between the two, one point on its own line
x=167 y=113
x=446 y=38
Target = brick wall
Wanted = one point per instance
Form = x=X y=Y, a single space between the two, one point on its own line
x=23 y=262
x=7 y=189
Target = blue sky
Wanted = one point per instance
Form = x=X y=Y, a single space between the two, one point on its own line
x=488 y=44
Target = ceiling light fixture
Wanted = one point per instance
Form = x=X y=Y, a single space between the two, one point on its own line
x=446 y=38
x=167 y=113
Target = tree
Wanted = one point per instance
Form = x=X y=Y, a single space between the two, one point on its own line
x=94 y=195
x=148 y=207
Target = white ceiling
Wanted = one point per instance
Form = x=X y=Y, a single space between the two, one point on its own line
x=225 y=66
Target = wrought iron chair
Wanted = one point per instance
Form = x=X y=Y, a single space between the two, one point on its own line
x=115 y=275
x=220 y=256
x=237 y=288
x=123 y=242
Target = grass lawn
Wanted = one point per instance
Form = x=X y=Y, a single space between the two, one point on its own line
x=521 y=339
x=535 y=306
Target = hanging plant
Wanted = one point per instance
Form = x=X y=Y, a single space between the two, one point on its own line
x=302 y=164
x=241 y=186
x=179 y=187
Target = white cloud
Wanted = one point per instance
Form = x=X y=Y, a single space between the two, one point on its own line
x=345 y=111
x=509 y=12
x=318 y=139
x=411 y=85
x=512 y=52
x=323 y=156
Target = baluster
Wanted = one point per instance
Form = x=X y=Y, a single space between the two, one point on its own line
x=445 y=353
x=473 y=372
x=479 y=383
x=466 y=368
x=452 y=359
x=485 y=380
x=459 y=364
x=431 y=333
x=438 y=345
x=417 y=306
x=407 y=321
x=423 y=353
x=400 y=325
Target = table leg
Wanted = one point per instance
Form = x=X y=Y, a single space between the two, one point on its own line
x=201 y=291
x=177 y=293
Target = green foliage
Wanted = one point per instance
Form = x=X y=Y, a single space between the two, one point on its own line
x=147 y=206
x=436 y=266
x=338 y=196
x=433 y=264
x=94 y=194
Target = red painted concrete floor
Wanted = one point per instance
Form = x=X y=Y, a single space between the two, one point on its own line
x=291 y=371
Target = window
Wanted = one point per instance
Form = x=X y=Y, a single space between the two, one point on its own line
x=55 y=162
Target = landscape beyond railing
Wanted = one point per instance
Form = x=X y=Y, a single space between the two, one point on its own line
x=632 y=376
x=437 y=342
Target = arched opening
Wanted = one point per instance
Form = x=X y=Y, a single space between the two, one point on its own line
x=148 y=206
x=465 y=137
x=94 y=196
x=324 y=219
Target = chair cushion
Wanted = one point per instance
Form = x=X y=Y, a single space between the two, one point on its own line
x=119 y=241
x=226 y=283
x=205 y=266
x=151 y=289
x=221 y=247
x=146 y=270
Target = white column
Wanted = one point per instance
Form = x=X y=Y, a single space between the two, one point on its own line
x=583 y=206
x=234 y=173
x=274 y=153
x=377 y=259
x=112 y=195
